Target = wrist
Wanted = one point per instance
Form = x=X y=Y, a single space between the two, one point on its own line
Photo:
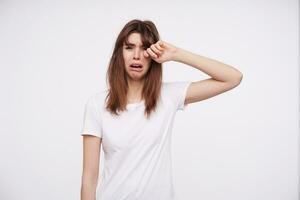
x=177 y=55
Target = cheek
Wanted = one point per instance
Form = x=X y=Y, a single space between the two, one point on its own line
x=147 y=65
x=126 y=59
x=149 y=62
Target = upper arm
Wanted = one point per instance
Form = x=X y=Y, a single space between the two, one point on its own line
x=91 y=158
x=204 y=89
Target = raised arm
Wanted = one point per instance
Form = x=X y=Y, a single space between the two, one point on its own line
x=223 y=76
x=91 y=157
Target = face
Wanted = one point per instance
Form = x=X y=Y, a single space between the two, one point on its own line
x=136 y=64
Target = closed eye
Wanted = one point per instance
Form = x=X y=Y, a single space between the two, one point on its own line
x=128 y=47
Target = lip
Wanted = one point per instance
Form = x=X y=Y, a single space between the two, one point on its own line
x=136 y=64
x=136 y=69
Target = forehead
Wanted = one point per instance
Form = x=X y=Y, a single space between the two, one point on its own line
x=134 y=38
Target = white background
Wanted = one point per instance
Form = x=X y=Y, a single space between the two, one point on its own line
x=239 y=145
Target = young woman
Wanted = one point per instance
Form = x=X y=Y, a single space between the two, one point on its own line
x=133 y=118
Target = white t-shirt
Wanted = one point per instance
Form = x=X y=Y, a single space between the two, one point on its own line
x=137 y=151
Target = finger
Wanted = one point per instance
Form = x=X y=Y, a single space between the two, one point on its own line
x=161 y=43
x=151 y=53
x=146 y=54
x=159 y=46
x=154 y=49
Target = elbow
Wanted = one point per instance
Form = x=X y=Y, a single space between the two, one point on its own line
x=237 y=79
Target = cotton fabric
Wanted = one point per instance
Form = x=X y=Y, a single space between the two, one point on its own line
x=137 y=150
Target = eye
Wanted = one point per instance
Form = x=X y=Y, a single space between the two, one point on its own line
x=127 y=47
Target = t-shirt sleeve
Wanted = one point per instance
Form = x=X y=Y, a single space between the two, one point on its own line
x=92 y=123
x=178 y=91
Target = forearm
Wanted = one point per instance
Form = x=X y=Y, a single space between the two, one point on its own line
x=88 y=191
x=217 y=70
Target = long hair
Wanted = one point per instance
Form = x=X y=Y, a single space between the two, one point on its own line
x=116 y=99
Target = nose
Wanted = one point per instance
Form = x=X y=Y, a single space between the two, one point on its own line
x=137 y=53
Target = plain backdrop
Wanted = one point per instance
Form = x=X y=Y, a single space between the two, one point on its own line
x=239 y=145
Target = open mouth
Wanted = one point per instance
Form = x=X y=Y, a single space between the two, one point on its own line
x=136 y=66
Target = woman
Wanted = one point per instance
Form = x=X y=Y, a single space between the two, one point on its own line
x=133 y=119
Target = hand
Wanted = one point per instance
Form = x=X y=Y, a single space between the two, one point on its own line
x=161 y=51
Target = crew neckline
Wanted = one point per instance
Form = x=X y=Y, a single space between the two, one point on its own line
x=135 y=104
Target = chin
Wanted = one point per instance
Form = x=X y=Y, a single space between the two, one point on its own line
x=136 y=76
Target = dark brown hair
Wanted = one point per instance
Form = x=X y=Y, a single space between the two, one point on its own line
x=116 y=99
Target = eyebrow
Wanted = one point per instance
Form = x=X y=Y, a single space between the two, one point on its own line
x=131 y=44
